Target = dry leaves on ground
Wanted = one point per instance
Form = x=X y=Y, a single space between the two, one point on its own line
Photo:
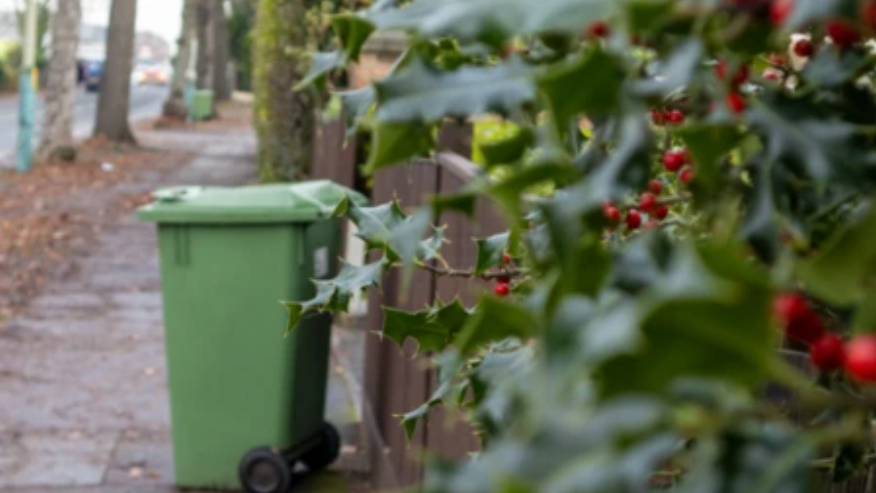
x=51 y=215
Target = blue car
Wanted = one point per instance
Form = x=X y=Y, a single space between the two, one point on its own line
x=93 y=75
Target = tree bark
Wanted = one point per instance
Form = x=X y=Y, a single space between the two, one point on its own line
x=206 y=44
x=286 y=118
x=62 y=75
x=221 y=52
x=175 y=107
x=115 y=91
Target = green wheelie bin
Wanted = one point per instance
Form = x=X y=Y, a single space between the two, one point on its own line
x=247 y=403
x=201 y=105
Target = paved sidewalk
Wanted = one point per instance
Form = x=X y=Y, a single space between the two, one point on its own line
x=83 y=399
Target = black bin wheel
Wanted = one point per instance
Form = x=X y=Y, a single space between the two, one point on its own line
x=264 y=470
x=326 y=452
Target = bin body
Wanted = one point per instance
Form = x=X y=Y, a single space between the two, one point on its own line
x=202 y=105
x=235 y=381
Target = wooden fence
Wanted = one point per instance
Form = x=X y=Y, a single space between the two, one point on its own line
x=394 y=381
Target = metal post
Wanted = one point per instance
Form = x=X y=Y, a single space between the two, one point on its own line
x=27 y=82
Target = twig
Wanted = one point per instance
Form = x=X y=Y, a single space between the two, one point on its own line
x=469 y=273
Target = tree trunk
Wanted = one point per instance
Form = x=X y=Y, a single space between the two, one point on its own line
x=175 y=107
x=221 y=86
x=115 y=91
x=206 y=44
x=61 y=86
x=286 y=118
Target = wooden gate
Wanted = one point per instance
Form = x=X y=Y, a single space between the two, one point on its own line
x=394 y=381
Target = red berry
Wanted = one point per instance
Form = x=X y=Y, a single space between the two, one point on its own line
x=667 y=117
x=655 y=186
x=502 y=289
x=506 y=258
x=828 y=353
x=843 y=33
x=612 y=214
x=686 y=175
x=803 y=48
x=657 y=117
x=647 y=202
x=780 y=10
x=634 y=219
x=661 y=212
x=673 y=161
x=676 y=117
x=598 y=29
x=777 y=59
x=861 y=358
x=771 y=76
x=721 y=69
x=800 y=323
x=736 y=102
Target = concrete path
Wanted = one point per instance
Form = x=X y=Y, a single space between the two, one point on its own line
x=83 y=399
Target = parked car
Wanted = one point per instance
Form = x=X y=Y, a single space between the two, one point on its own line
x=151 y=73
x=93 y=74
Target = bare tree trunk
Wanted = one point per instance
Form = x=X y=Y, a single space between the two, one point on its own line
x=61 y=86
x=175 y=107
x=221 y=51
x=206 y=44
x=115 y=92
x=287 y=118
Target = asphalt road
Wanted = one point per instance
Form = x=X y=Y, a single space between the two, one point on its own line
x=146 y=102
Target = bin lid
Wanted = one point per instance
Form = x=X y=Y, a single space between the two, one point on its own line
x=275 y=203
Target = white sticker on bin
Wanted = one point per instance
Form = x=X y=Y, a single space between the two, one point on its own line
x=321 y=262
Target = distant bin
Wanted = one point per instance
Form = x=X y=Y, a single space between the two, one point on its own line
x=246 y=403
x=202 y=105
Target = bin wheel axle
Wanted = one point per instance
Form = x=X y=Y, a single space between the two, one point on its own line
x=265 y=470
x=326 y=451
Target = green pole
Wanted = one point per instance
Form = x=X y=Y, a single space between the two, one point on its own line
x=27 y=81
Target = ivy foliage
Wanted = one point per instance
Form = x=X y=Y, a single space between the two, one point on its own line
x=638 y=337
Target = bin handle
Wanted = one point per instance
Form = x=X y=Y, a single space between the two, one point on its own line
x=176 y=194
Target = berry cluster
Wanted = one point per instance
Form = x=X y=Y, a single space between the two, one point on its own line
x=827 y=351
x=667 y=117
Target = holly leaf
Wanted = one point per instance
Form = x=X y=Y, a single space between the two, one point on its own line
x=801 y=130
x=843 y=268
x=335 y=294
x=352 y=31
x=394 y=143
x=422 y=93
x=490 y=252
x=676 y=73
x=321 y=64
x=387 y=227
x=450 y=365
x=508 y=150
x=355 y=105
x=591 y=85
x=495 y=320
x=806 y=11
x=492 y=21
x=708 y=316
x=708 y=145
x=432 y=329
